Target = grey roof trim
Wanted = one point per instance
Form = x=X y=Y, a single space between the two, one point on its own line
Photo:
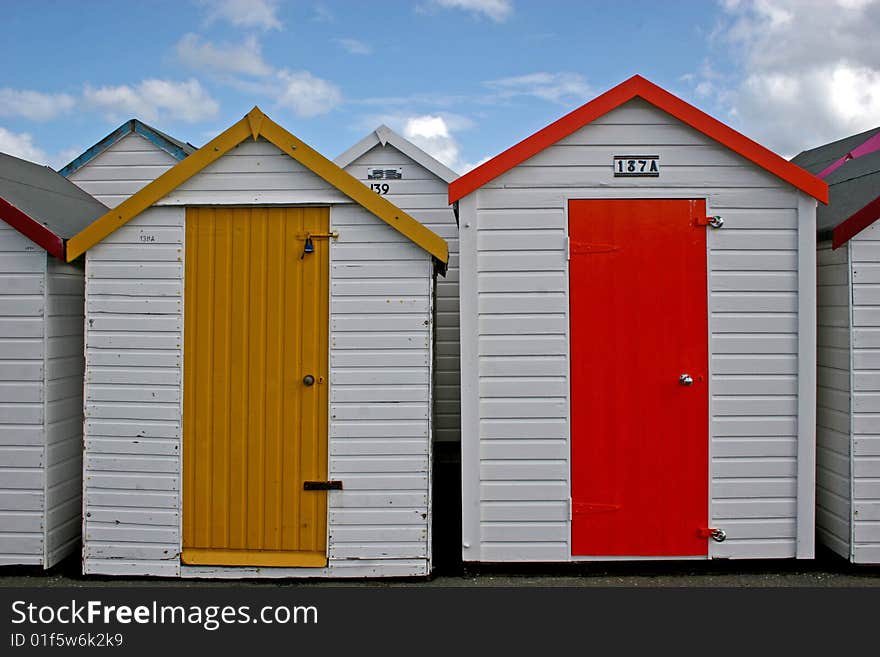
x=385 y=135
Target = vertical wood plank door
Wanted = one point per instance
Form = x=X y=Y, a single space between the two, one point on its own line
x=256 y=324
x=639 y=436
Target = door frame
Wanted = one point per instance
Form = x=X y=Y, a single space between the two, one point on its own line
x=194 y=569
x=650 y=194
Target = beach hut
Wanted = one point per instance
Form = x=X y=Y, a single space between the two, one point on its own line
x=403 y=173
x=258 y=370
x=848 y=397
x=124 y=161
x=41 y=363
x=638 y=329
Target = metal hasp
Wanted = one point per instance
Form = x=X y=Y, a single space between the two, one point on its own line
x=333 y=484
x=717 y=535
x=686 y=380
x=715 y=221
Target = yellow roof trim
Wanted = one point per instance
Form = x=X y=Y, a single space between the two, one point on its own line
x=255 y=124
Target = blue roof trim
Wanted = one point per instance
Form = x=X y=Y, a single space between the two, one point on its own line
x=131 y=126
x=145 y=131
x=93 y=152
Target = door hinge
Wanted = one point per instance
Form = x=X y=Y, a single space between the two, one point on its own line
x=333 y=484
x=568 y=257
x=570 y=514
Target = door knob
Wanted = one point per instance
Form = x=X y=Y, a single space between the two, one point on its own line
x=685 y=380
x=308 y=380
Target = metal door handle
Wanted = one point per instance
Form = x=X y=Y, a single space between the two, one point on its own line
x=685 y=380
x=308 y=380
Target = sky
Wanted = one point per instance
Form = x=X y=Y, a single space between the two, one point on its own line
x=463 y=79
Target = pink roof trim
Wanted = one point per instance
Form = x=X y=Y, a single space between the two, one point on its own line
x=873 y=144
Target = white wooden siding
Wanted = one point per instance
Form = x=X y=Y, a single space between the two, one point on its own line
x=123 y=169
x=380 y=388
x=63 y=409
x=424 y=196
x=865 y=348
x=515 y=310
x=833 y=421
x=22 y=390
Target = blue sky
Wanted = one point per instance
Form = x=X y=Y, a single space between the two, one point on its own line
x=464 y=79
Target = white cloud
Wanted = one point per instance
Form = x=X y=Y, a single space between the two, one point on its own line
x=810 y=70
x=433 y=134
x=555 y=87
x=354 y=46
x=261 y=14
x=21 y=144
x=34 y=105
x=245 y=58
x=154 y=99
x=497 y=10
x=306 y=94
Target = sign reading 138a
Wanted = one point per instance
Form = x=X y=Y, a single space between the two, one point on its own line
x=637 y=165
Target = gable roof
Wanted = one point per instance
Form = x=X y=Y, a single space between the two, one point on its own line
x=42 y=205
x=638 y=86
x=385 y=135
x=851 y=167
x=174 y=147
x=255 y=124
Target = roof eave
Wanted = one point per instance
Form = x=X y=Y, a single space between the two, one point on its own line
x=32 y=229
x=402 y=144
x=256 y=124
x=855 y=223
x=132 y=126
x=638 y=86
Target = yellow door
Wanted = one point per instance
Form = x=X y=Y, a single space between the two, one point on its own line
x=256 y=311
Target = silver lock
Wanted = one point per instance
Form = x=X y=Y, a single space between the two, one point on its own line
x=718 y=535
x=686 y=380
x=716 y=221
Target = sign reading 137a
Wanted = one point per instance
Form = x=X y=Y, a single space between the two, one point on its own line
x=637 y=165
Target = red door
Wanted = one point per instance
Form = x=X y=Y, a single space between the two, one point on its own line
x=639 y=435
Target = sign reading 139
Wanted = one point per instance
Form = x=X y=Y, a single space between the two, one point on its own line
x=637 y=166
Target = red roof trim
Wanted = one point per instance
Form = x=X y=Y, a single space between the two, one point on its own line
x=855 y=224
x=639 y=86
x=32 y=229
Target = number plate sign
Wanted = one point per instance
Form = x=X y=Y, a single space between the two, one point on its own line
x=378 y=173
x=637 y=166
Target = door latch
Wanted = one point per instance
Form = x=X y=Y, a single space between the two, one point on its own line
x=686 y=380
x=716 y=221
x=333 y=484
x=717 y=535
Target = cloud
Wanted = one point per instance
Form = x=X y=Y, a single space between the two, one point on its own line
x=432 y=134
x=809 y=73
x=497 y=10
x=21 y=144
x=354 y=46
x=34 y=105
x=245 y=58
x=260 y=14
x=306 y=94
x=555 y=87
x=154 y=99
x=322 y=14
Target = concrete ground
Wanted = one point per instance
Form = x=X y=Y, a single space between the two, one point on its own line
x=826 y=571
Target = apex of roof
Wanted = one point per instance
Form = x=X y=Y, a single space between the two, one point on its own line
x=384 y=135
x=174 y=147
x=637 y=86
x=255 y=124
